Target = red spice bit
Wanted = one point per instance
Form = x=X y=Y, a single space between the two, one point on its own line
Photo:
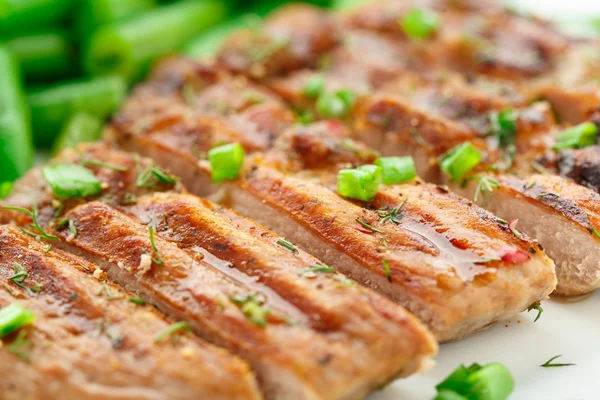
x=335 y=126
x=515 y=256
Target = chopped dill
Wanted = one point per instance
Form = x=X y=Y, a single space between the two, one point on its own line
x=33 y=214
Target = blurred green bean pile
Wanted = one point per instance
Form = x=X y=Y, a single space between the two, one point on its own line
x=66 y=65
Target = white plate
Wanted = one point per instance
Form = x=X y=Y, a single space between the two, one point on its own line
x=572 y=330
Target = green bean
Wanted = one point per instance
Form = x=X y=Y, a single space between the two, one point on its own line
x=129 y=47
x=51 y=107
x=95 y=13
x=80 y=128
x=25 y=15
x=43 y=56
x=16 y=150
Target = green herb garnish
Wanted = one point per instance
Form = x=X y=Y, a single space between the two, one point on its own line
x=386 y=269
x=367 y=226
x=137 y=300
x=71 y=180
x=178 y=327
x=226 y=161
x=359 y=183
x=485 y=188
x=20 y=345
x=492 y=382
x=109 y=295
x=537 y=306
x=314 y=87
x=158 y=260
x=152 y=176
x=550 y=364
x=19 y=277
x=397 y=169
x=578 y=136
x=13 y=318
x=94 y=163
x=252 y=309
x=287 y=245
x=457 y=162
x=34 y=217
x=420 y=23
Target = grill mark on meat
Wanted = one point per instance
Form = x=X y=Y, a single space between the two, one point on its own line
x=356 y=325
x=545 y=195
x=109 y=343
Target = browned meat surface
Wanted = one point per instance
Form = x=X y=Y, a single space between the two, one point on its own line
x=296 y=36
x=118 y=172
x=579 y=165
x=307 y=333
x=435 y=267
x=292 y=356
x=89 y=341
x=205 y=107
x=562 y=215
x=307 y=152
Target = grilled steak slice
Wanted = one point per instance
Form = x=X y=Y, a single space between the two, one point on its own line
x=448 y=322
x=563 y=216
x=205 y=107
x=435 y=269
x=579 y=165
x=299 y=348
x=89 y=341
x=294 y=37
x=223 y=260
x=123 y=176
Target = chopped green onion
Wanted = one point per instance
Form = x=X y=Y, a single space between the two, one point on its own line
x=359 y=183
x=335 y=104
x=13 y=318
x=5 y=189
x=314 y=87
x=578 y=136
x=348 y=97
x=504 y=126
x=460 y=160
x=288 y=245
x=171 y=330
x=71 y=180
x=449 y=395
x=419 y=23
x=397 y=169
x=226 y=161
x=490 y=382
